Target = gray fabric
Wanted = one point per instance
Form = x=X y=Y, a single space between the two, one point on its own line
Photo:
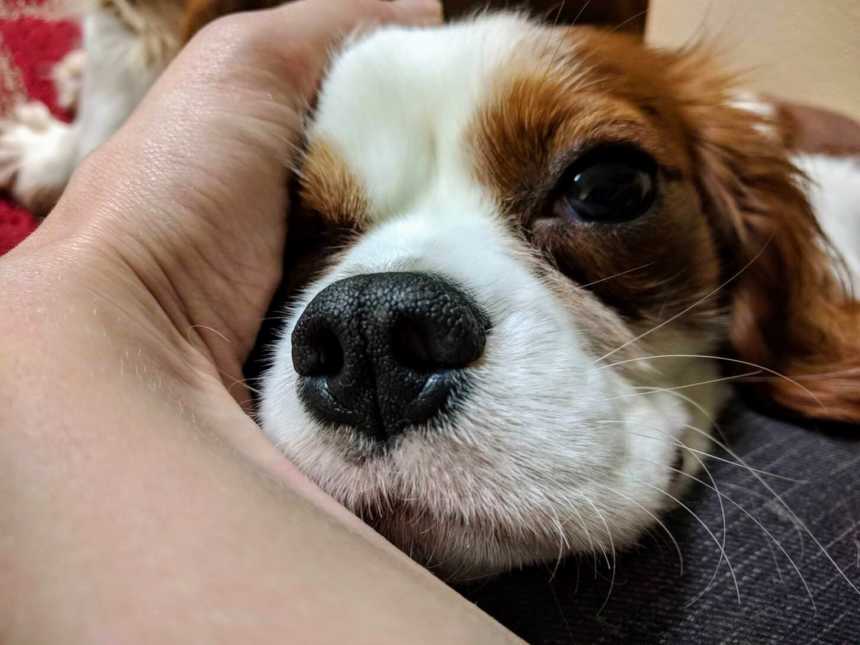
x=649 y=602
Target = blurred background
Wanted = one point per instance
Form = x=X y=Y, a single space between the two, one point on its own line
x=803 y=50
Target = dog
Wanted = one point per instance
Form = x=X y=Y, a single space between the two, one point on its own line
x=536 y=257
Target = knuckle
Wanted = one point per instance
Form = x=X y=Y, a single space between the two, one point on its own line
x=234 y=33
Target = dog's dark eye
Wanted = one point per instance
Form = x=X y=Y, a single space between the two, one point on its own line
x=611 y=184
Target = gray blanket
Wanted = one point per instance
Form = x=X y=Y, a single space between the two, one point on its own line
x=766 y=600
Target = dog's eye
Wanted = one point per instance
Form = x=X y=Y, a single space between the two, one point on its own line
x=610 y=184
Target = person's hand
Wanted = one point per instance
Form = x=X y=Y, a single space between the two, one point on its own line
x=138 y=501
x=187 y=202
x=175 y=228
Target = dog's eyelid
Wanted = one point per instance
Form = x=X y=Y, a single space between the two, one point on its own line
x=634 y=145
x=604 y=146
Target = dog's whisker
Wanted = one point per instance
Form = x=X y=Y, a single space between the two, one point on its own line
x=647 y=389
x=616 y=275
x=704 y=525
x=563 y=545
x=554 y=55
x=657 y=520
x=705 y=453
x=783 y=504
x=768 y=501
x=708 y=455
x=681 y=444
x=722 y=510
x=761 y=526
x=245 y=383
x=686 y=310
x=591 y=544
x=579 y=13
x=766 y=473
x=703 y=465
x=559 y=11
x=848 y=371
x=612 y=549
x=726 y=359
x=621 y=24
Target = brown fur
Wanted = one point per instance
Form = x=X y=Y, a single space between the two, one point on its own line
x=329 y=188
x=788 y=311
x=751 y=226
x=538 y=123
x=155 y=21
x=817 y=131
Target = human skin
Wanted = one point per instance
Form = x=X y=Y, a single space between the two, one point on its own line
x=138 y=501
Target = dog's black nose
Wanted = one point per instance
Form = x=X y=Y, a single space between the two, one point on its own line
x=382 y=352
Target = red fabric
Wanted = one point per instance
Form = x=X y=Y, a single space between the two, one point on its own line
x=31 y=42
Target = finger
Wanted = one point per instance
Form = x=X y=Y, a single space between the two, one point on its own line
x=303 y=34
x=418 y=12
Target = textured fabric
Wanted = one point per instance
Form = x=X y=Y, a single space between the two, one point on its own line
x=653 y=601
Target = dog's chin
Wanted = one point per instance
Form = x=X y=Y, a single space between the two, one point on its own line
x=459 y=549
x=456 y=509
x=463 y=550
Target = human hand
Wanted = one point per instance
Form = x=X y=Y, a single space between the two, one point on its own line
x=143 y=503
x=185 y=207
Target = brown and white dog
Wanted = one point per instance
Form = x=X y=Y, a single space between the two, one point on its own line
x=559 y=244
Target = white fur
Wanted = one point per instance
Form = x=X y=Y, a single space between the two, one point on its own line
x=552 y=452
x=68 y=76
x=116 y=78
x=758 y=105
x=834 y=191
x=34 y=163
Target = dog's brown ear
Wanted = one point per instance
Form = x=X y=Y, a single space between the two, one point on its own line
x=789 y=310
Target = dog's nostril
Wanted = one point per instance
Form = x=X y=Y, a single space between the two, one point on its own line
x=323 y=354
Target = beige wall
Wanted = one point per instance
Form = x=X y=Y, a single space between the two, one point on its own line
x=804 y=50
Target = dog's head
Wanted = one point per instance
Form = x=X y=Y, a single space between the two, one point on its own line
x=546 y=236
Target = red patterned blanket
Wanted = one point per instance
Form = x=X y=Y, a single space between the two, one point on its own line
x=33 y=38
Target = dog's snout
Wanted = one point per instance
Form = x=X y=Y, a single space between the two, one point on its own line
x=385 y=351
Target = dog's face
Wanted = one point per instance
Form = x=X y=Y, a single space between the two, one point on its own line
x=536 y=218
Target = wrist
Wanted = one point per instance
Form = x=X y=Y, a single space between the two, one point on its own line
x=91 y=357
x=68 y=306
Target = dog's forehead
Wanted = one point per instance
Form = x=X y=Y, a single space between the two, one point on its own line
x=434 y=116
x=396 y=104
